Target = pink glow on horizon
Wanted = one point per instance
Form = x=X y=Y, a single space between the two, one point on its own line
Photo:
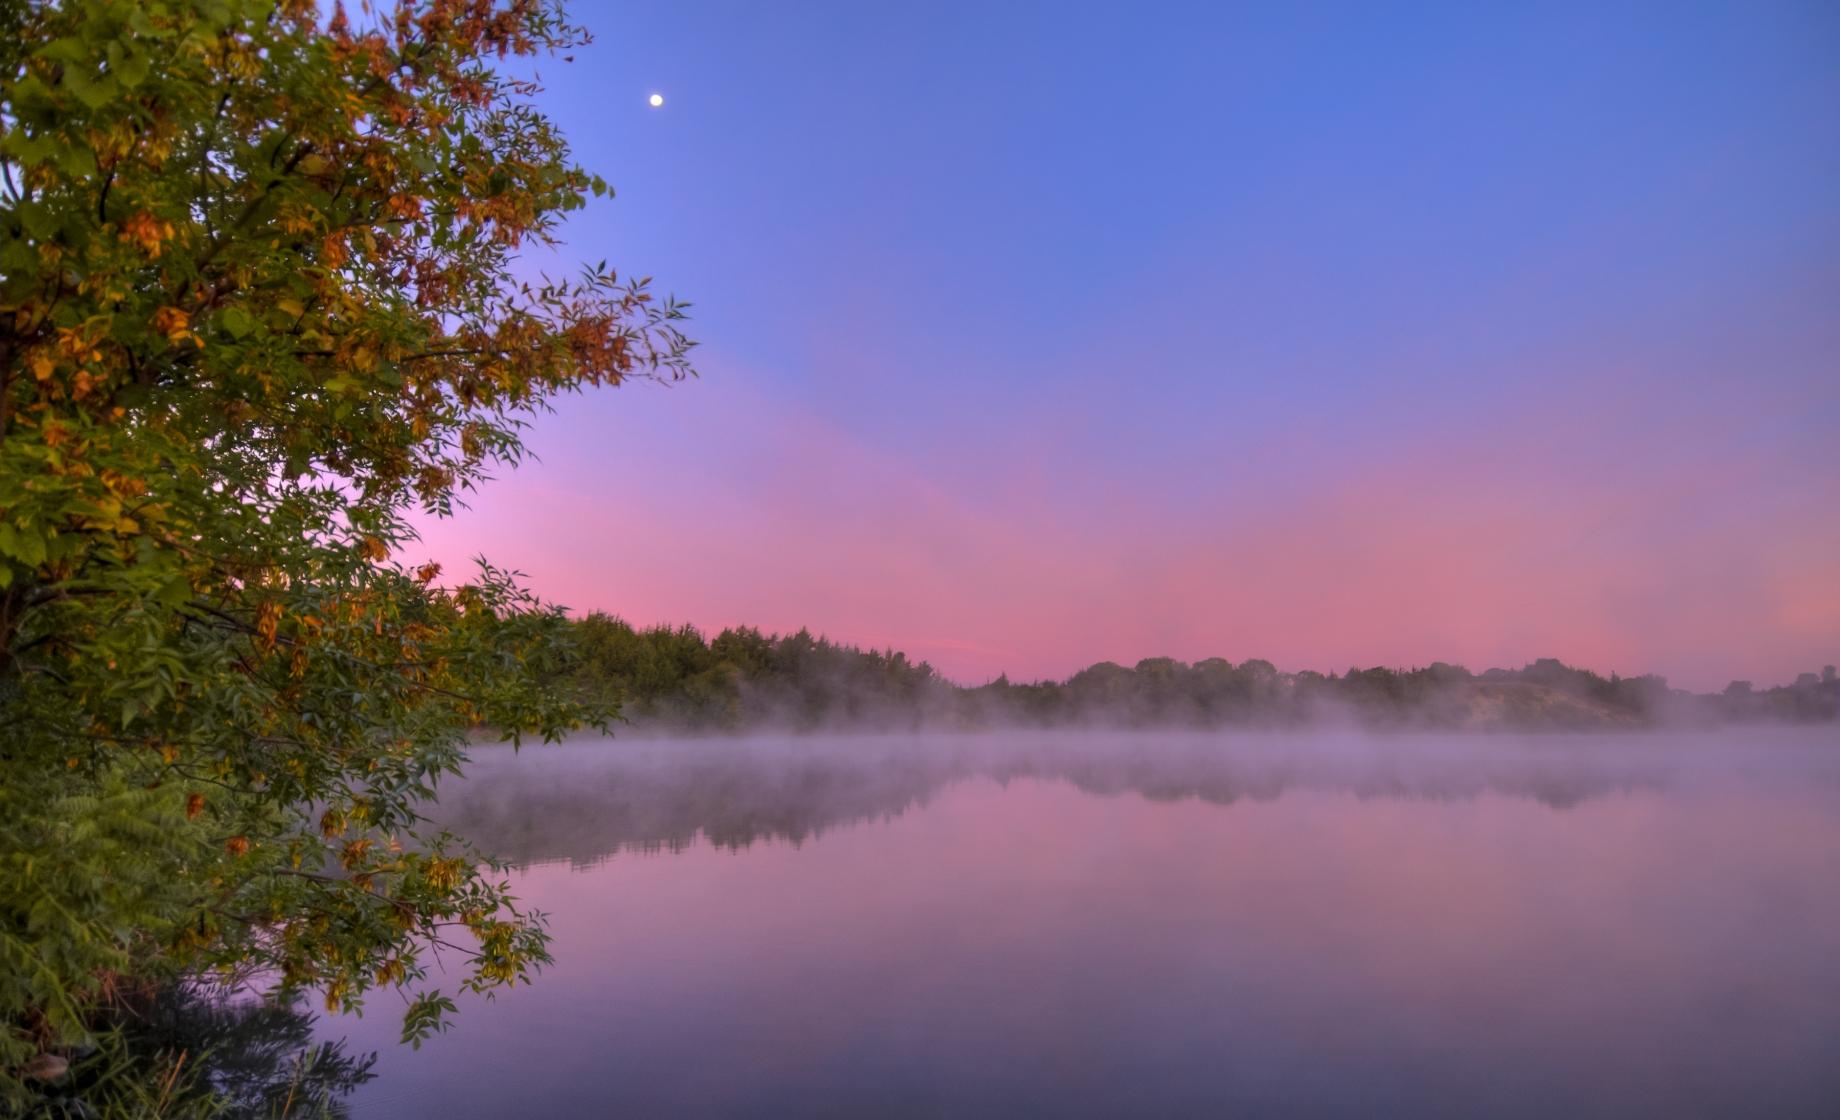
x=1549 y=531
x=1510 y=337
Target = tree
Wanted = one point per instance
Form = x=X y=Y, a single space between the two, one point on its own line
x=260 y=299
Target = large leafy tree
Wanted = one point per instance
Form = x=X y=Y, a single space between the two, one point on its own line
x=263 y=295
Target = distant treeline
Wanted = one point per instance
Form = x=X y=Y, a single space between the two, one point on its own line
x=675 y=679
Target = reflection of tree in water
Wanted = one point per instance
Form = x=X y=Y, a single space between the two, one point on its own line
x=583 y=803
x=596 y=806
x=184 y=1052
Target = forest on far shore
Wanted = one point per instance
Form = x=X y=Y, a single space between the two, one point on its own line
x=674 y=679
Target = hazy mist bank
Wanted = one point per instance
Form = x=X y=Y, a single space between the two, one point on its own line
x=674 y=680
x=591 y=797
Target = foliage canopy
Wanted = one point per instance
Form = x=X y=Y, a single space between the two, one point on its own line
x=262 y=295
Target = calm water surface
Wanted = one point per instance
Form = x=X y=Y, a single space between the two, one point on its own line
x=1154 y=925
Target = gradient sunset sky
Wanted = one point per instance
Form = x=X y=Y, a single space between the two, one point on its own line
x=1040 y=334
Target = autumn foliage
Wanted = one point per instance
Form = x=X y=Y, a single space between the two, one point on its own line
x=264 y=291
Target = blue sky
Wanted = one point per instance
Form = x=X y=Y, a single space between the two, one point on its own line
x=1179 y=274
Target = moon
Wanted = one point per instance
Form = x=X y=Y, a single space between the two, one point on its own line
x=656 y=100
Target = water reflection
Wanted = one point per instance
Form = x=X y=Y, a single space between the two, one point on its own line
x=1156 y=926
x=185 y=1051
x=591 y=799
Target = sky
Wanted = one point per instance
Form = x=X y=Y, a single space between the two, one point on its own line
x=1034 y=335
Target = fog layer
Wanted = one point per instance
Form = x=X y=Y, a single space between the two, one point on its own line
x=591 y=797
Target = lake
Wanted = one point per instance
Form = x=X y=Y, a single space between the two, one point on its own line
x=1153 y=925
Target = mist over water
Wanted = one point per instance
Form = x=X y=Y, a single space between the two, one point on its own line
x=1106 y=924
x=589 y=799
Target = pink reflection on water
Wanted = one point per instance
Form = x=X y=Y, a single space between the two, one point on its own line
x=1032 y=947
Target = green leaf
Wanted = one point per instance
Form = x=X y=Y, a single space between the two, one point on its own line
x=39 y=221
x=24 y=545
x=94 y=91
x=68 y=50
x=237 y=321
x=132 y=70
x=77 y=161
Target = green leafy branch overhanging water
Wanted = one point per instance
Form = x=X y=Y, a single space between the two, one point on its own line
x=259 y=300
